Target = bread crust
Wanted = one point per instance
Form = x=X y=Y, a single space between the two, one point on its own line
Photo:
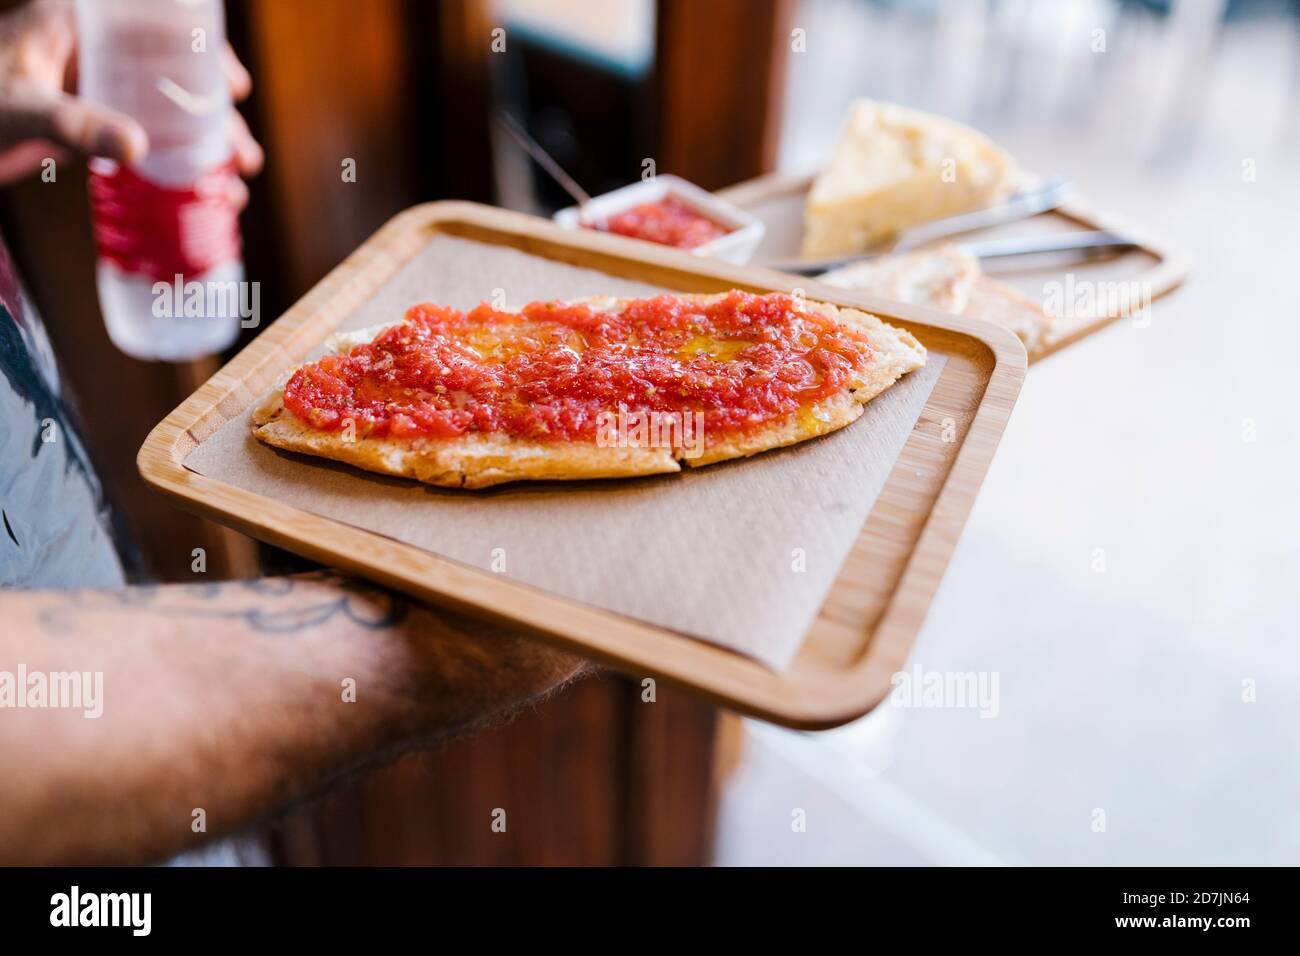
x=479 y=460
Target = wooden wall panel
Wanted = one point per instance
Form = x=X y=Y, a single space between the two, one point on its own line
x=720 y=72
x=556 y=771
x=331 y=85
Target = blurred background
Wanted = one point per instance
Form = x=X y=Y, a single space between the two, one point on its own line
x=1173 y=448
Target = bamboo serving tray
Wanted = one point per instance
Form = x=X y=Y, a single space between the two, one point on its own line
x=778 y=201
x=880 y=595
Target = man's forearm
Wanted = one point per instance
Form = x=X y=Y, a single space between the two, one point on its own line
x=217 y=703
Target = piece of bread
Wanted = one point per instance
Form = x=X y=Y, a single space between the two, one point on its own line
x=1010 y=308
x=894 y=168
x=941 y=278
x=944 y=277
x=478 y=460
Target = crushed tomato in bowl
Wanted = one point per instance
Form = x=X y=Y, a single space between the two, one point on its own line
x=668 y=221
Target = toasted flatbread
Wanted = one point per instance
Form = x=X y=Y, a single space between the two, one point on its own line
x=944 y=277
x=941 y=278
x=478 y=460
x=1010 y=308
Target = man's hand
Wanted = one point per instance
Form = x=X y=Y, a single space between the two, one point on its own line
x=40 y=117
x=235 y=698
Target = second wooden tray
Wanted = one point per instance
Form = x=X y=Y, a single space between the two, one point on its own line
x=1150 y=271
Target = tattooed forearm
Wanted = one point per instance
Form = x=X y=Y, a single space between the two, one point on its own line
x=283 y=605
x=237 y=698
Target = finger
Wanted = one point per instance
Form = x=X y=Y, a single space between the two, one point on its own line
x=248 y=154
x=98 y=130
x=78 y=124
x=241 y=83
x=237 y=192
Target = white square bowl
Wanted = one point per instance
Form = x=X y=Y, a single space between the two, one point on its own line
x=744 y=231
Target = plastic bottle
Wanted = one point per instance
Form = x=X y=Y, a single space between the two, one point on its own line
x=170 y=274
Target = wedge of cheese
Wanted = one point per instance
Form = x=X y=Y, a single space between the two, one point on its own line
x=894 y=168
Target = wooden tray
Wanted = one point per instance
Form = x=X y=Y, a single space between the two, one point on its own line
x=880 y=595
x=778 y=201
